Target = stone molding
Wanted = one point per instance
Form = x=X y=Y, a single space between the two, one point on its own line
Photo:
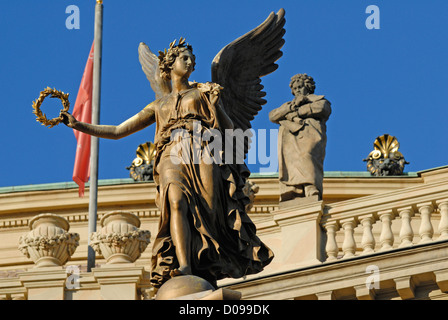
x=401 y=274
x=295 y=234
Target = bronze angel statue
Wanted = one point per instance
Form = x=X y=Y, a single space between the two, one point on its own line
x=204 y=229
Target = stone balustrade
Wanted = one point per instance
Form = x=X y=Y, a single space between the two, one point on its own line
x=420 y=273
x=323 y=249
x=383 y=222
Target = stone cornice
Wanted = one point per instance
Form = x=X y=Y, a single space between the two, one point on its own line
x=420 y=262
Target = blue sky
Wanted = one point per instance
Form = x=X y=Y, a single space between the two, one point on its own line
x=391 y=80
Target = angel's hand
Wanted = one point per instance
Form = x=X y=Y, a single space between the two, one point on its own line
x=214 y=97
x=68 y=119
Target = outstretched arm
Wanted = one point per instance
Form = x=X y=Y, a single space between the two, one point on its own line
x=138 y=122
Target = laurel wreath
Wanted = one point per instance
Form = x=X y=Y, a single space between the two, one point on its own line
x=53 y=93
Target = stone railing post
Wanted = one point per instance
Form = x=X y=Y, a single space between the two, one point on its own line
x=406 y=233
x=349 y=244
x=443 y=224
x=426 y=230
x=386 y=236
x=368 y=240
x=331 y=247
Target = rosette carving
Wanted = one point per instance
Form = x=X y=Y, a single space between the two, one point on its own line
x=120 y=240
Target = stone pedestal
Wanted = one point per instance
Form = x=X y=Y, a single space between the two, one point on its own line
x=301 y=234
x=219 y=294
x=189 y=287
x=45 y=283
x=297 y=202
x=119 y=282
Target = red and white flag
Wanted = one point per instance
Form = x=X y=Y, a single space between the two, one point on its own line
x=83 y=112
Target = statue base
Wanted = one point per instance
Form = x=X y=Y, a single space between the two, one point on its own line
x=299 y=201
x=189 y=287
x=219 y=294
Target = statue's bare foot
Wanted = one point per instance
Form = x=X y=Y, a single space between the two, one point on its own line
x=182 y=271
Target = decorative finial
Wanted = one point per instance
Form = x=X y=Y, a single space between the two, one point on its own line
x=385 y=159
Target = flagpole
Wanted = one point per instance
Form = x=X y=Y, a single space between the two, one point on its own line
x=96 y=91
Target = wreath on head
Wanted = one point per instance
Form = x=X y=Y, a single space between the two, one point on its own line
x=167 y=57
x=53 y=93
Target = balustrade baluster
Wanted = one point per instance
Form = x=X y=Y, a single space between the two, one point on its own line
x=331 y=247
x=349 y=244
x=426 y=230
x=406 y=232
x=443 y=224
x=387 y=236
x=368 y=240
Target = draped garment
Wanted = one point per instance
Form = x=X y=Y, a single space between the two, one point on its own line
x=223 y=237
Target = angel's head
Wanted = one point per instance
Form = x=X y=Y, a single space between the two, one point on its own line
x=168 y=57
x=302 y=84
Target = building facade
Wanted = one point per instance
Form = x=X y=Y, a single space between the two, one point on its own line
x=375 y=238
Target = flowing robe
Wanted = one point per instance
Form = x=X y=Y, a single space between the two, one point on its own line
x=301 y=143
x=223 y=237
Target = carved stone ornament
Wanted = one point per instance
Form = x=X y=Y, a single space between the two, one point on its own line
x=250 y=189
x=120 y=240
x=385 y=159
x=142 y=166
x=49 y=243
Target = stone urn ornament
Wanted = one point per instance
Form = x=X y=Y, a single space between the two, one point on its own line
x=120 y=240
x=49 y=244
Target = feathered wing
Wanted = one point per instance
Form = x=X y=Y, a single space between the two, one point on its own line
x=239 y=66
x=150 y=66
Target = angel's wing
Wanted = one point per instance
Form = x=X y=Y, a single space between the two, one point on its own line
x=150 y=66
x=239 y=66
